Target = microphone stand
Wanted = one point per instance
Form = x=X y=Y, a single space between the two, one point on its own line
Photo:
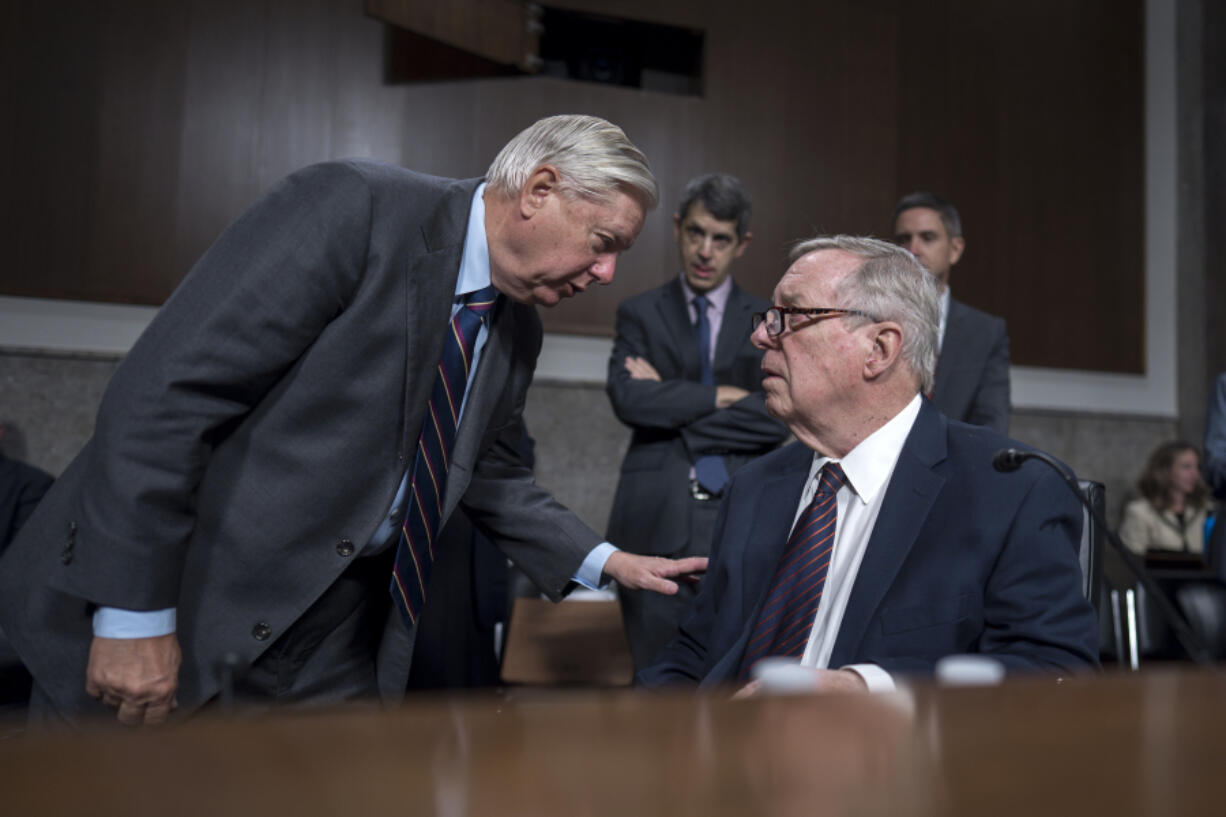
x=1183 y=633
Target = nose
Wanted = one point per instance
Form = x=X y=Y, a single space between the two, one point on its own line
x=705 y=249
x=603 y=269
x=760 y=339
x=912 y=245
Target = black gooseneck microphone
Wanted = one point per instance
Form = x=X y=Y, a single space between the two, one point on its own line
x=1008 y=460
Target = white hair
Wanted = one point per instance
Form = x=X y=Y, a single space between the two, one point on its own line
x=890 y=285
x=593 y=156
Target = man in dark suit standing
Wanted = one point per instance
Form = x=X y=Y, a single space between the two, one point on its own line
x=685 y=378
x=972 y=376
x=883 y=539
x=273 y=459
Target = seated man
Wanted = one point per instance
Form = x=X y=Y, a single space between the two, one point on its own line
x=882 y=539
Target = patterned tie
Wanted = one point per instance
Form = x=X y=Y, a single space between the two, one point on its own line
x=796 y=589
x=710 y=470
x=415 y=553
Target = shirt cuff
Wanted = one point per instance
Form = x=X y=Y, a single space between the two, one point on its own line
x=590 y=571
x=112 y=622
x=875 y=678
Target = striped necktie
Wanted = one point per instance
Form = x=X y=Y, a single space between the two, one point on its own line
x=796 y=589
x=710 y=470
x=415 y=553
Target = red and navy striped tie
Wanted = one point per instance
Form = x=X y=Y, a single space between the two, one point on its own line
x=796 y=589
x=415 y=553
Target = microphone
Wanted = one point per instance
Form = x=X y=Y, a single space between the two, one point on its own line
x=1008 y=460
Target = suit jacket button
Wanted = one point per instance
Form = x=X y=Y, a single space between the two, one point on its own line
x=261 y=632
x=344 y=547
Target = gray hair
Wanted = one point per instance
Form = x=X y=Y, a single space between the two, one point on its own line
x=922 y=198
x=593 y=156
x=890 y=285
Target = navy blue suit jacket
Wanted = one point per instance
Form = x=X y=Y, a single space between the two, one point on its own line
x=962 y=559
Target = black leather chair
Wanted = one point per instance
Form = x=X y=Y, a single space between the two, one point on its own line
x=1089 y=554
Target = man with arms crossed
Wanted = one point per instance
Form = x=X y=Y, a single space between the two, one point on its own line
x=882 y=539
x=283 y=438
x=689 y=386
x=972 y=373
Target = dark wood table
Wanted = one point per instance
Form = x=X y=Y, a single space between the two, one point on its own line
x=1148 y=744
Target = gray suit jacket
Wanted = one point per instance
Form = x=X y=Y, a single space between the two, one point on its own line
x=972 y=377
x=675 y=420
x=252 y=440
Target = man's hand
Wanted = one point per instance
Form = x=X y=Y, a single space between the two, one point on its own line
x=727 y=395
x=137 y=675
x=824 y=681
x=635 y=572
x=640 y=369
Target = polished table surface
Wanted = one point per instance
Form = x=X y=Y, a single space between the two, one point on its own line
x=1147 y=744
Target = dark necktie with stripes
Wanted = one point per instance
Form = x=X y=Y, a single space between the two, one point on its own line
x=796 y=589
x=415 y=553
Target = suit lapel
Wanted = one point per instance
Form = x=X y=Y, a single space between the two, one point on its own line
x=769 y=525
x=674 y=314
x=732 y=331
x=952 y=348
x=909 y=497
x=483 y=395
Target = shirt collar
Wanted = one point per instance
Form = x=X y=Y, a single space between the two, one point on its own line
x=717 y=297
x=869 y=465
x=475 y=260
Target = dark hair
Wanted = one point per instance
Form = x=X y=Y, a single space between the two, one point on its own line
x=1155 y=481
x=724 y=197
x=922 y=198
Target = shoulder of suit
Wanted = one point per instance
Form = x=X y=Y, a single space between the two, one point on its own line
x=973 y=314
x=375 y=173
x=753 y=301
x=669 y=289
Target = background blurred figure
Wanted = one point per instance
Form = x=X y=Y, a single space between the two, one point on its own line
x=972 y=376
x=1173 y=504
x=21 y=487
x=1215 y=438
x=686 y=380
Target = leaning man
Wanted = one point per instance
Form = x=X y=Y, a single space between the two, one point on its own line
x=273 y=459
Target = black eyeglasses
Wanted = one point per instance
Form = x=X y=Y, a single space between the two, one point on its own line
x=774 y=317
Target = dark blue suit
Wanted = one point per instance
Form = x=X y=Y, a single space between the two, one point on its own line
x=962 y=559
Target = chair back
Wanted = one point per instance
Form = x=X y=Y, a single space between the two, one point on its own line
x=1090 y=549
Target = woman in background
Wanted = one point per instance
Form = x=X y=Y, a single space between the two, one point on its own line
x=1170 y=514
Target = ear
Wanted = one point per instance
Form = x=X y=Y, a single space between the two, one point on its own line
x=535 y=193
x=740 y=248
x=885 y=351
x=956 y=245
x=677 y=227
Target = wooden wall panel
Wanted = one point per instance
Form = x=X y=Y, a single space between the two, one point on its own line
x=138 y=134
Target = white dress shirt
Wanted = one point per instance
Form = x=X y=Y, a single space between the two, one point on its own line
x=868 y=468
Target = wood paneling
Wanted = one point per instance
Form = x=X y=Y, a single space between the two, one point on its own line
x=137 y=134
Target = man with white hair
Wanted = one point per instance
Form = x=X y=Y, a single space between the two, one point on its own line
x=882 y=540
x=272 y=461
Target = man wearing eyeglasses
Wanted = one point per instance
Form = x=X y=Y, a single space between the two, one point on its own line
x=882 y=540
x=972 y=374
x=685 y=378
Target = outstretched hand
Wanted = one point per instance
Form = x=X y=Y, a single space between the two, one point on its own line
x=655 y=573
